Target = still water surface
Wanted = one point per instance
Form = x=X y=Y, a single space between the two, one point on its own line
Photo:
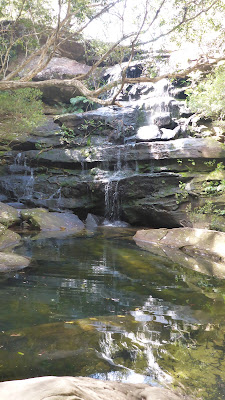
x=97 y=305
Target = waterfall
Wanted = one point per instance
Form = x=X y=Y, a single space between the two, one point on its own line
x=112 y=192
x=112 y=201
x=29 y=188
x=54 y=201
x=21 y=178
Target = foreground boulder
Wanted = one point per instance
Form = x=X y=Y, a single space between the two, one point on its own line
x=70 y=388
x=40 y=218
x=199 y=249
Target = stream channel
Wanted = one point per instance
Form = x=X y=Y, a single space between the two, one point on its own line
x=96 y=305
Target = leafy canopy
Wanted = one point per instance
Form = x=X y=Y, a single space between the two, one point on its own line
x=208 y=97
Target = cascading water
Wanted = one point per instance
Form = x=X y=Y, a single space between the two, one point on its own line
x=112 y=201
x=158 y=109
x=29 y=189
x=98 y=177
x=21 y=177
x=112 y=192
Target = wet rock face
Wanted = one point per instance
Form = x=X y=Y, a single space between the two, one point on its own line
x=147 y=183
x=136 y=163
x=112 y=122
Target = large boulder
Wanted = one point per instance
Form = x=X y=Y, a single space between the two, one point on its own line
x=201 y=239
x=162 y=120
x=58 y=68
x=70 y=48
x=40 y=218
x=70 y=388
x=61 y=68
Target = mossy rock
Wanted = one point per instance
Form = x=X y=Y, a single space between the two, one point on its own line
x=8 y=238
x=8 y=215
x=41 y=219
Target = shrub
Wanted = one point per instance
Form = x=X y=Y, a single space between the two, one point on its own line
x=22 y=109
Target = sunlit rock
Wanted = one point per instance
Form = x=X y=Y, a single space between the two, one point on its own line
x=199 y=249
x=148 y=134
x=66 y=388
x=168 y=134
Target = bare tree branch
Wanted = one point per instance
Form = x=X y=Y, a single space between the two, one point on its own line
x=93 y=94
x=184 y=20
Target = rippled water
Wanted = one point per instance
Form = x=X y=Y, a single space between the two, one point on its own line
x=97 y=305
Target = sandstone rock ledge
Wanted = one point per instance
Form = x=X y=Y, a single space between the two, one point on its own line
x=199 y=249
x=70 y=388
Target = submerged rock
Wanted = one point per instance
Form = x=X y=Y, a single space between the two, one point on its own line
x=92 y=221
x=12 y=262
x=44 y=220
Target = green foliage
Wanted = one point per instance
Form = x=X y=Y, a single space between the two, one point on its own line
x=210 y=163
x=21 y=109
x=78 y=104
x=68 y=134
x=182 y=195
x=220 y=166
x=92 y=125
x=207 y=98
x=191 y=161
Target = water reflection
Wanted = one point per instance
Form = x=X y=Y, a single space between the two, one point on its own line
x=99 y=306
